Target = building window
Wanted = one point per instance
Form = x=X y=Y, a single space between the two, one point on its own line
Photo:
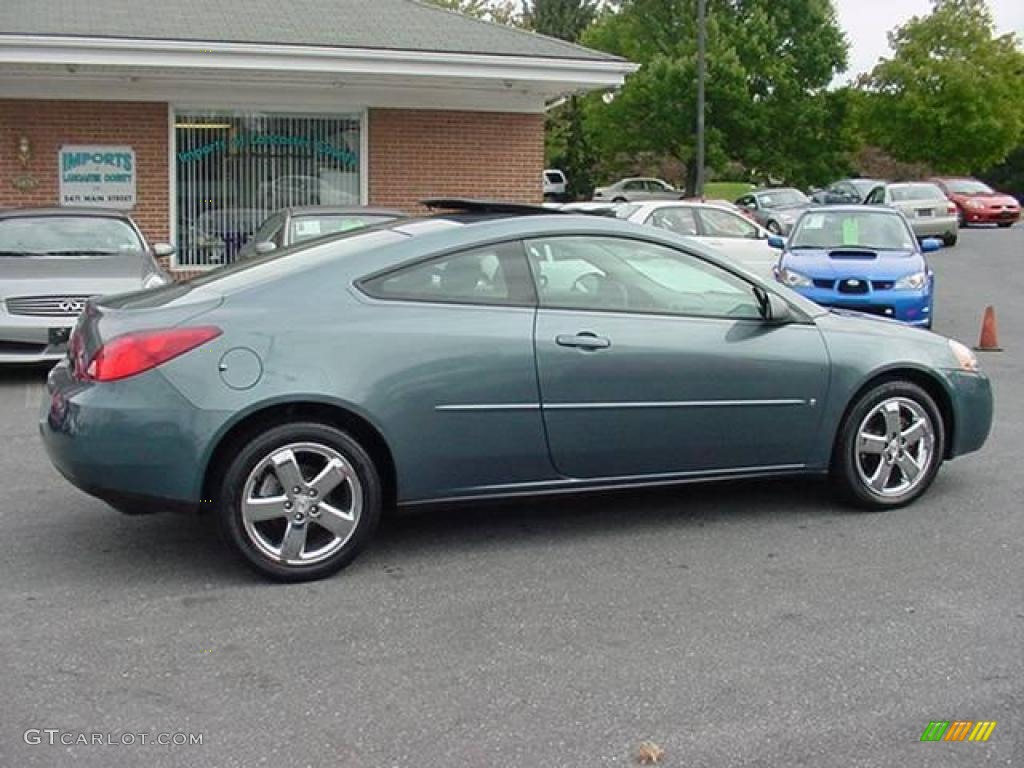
x=233 y=169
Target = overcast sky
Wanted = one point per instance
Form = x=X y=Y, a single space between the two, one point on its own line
x=867 y=22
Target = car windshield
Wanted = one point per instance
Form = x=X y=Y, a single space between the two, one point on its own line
x=780 y=198
x=874 y=230
x=863 y=186
x=904 y=192
x=308 y=227
x=67 y=236
x=969 y=187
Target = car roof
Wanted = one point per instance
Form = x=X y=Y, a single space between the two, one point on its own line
x=304 y=210
x=885 y=211
x=107 y=213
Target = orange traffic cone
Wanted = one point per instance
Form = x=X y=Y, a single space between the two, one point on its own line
x=989 y=341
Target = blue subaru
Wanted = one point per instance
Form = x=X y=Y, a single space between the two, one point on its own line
x=862 y=259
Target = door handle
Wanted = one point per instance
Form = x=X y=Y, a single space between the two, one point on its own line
x=584 y=340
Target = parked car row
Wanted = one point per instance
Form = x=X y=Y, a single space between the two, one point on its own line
x=967 y=200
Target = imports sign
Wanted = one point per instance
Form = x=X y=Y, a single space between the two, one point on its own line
x=97 y=176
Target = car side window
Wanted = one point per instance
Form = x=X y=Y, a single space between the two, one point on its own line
x=634 y=186
x=719 y=223
x=875 y=197
x=676 y=219
x=494 y=274
x=624 y=275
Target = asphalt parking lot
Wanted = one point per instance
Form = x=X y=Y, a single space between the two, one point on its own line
x=742 y=625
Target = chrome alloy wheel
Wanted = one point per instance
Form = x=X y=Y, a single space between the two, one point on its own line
x=895 y=447
x=301 y=503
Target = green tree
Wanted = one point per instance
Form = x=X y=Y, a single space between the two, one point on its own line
x=769 y=66
x=568 y=146
x=952 y=94
x=499 y=11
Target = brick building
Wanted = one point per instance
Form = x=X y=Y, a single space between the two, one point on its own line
x=200 y=118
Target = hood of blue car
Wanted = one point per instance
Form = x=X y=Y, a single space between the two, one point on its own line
x=836 y=263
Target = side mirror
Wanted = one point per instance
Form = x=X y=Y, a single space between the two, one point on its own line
x=162 y=250
x=776 y=242
x=264 y=246
x=930 y=245
x=776 y=310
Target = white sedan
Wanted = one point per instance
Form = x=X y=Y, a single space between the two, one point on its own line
x=711 y=224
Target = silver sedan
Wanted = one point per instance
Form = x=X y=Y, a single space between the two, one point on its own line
x=725 y=230
x=929 y=211
x=636 y=190
x=52 y=261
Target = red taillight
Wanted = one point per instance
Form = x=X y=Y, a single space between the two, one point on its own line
x=134 y=353
x=951 y=209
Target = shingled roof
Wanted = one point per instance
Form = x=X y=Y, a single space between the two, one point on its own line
x=404 y=25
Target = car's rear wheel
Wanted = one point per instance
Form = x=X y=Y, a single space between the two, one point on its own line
x=1005 y=224
x=949 y=240
x=299 y=501
x=890 y=446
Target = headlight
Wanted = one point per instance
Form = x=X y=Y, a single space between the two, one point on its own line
x=964 y=356
x=154 y=281
x=793 y=279
x=912 y=282
x=975 y=204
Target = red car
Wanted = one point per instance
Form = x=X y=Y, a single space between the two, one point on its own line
x=978 y=203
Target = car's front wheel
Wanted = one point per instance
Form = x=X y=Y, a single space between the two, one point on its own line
x=299 y=501
x=890 y=446
x=773 y=227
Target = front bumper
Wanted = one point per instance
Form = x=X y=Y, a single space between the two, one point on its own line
x=911 y=307
x=973 y=408
x=29 y=340
x=137 y=444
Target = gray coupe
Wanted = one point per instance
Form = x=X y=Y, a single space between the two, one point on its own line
x=508 y=351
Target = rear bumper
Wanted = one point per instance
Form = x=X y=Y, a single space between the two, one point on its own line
x=973 y=407
x=137 y=444
x=935 y=227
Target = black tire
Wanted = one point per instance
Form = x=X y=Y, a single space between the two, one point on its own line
x=961 y=217
x=773 y=227
x=949 y=240
x=256 y=452
x=846 y=472
x=620 y=200
x=1005 y=224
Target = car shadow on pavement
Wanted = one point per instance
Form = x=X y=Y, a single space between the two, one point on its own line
x=461 y=527
x=174 y=547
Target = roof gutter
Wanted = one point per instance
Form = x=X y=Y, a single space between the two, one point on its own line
x=72 y=52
